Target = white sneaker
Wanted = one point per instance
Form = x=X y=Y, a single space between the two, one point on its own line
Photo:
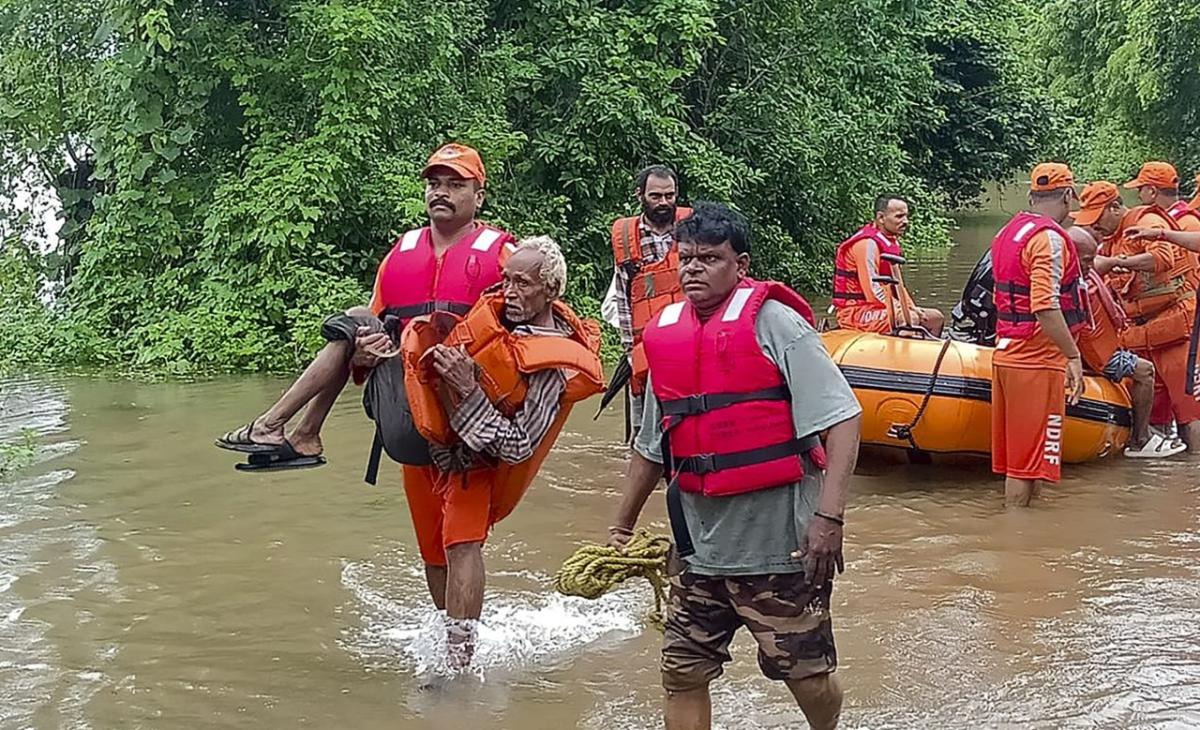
x=1156 y=448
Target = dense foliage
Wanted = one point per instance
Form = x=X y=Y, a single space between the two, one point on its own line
x=1126 y=76
x=232 y=170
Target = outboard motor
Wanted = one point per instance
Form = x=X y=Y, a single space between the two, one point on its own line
x=973 y=319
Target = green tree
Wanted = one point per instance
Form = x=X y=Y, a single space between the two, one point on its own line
x=253 y=159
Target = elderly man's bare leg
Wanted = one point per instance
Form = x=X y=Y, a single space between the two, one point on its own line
x=464 y=601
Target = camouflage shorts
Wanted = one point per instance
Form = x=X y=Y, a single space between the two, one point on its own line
x=787 y=617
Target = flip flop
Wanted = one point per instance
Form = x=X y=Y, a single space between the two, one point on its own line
x=282 y=458
x=240 y=440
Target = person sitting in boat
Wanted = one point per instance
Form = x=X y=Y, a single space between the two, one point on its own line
x=491 y=399
x=862 y=303
x=444 y=266
x=1099 y=340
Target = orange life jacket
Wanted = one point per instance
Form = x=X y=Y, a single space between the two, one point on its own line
x=1188 y=220
x=1145 y=294
x=504 y=359
x=652 y=284
x=846 y=289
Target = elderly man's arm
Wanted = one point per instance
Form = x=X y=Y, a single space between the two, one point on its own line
x=486 y=430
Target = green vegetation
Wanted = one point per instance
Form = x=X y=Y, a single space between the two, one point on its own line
x=233 y=171
x=16 y=455
x=1125 y=75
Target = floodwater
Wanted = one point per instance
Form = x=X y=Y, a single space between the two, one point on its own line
x=146 y=584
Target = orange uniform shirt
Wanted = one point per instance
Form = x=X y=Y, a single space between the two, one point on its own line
x=1046 y=257
x=871 y=314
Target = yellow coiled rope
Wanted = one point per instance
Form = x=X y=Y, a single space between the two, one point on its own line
x=594 y=570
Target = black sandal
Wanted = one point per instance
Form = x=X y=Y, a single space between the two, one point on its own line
x=282 y=458
x=240 y=440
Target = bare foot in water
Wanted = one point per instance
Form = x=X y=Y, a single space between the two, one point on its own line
x=460 y=643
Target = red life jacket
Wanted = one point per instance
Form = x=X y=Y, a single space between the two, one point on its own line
x=1014 y=318
x=1181 y=210
x=412 y=282
x=726 y=409
x=846 y=290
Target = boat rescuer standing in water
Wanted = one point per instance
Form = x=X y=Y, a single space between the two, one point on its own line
x=1100 y=338
x=492 y=399
x=1036 y=366
x=742 y=387
x=444 y=266
x=646 y=270
x=861 y=302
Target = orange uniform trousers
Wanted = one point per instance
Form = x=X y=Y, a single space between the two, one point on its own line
x=1028 y=414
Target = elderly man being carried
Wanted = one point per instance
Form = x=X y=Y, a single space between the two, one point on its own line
x=491 y=398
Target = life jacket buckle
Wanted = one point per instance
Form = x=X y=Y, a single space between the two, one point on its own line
x=697 y=404
x=701 y=464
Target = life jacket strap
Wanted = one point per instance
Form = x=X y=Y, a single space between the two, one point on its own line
x=418 y=310
x=1016 y=316
x=701 y=464
x=694 y=405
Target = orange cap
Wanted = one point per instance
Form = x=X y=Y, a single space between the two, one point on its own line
x=1093 y=200
x=460 y=158
x=1051 y=176
x=1155 y=175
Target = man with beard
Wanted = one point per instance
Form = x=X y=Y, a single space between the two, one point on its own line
x=442 y=267
x=863 y=303
x=646 y=273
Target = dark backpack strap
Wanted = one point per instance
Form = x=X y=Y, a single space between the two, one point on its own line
x=372 y=475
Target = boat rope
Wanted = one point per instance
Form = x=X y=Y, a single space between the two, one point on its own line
x=904 y=432
x=594 y=570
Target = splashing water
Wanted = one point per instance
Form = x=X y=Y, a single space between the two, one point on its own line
x=519 y=629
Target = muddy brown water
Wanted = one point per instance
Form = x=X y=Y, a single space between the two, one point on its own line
x=145 y=584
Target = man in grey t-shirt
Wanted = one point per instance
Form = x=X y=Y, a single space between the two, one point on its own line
x=763 y=559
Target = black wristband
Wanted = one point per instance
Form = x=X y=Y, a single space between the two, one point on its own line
x=835 y=520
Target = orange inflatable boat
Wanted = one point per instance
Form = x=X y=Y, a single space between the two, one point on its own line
x=904 y=407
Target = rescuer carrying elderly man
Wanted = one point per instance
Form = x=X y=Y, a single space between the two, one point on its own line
x=442 y=267
x=740 y=391
x=862 y=301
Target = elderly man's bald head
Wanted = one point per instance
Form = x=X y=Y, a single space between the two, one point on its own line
x=1085 y=245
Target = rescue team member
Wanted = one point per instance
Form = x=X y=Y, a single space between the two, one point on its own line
x=1186 y=408
x=742 y=386
x=860 y=301
x=646 y=270
x=1157 y=184
x=443 y=266
x=1105 y=216
x=1099 y=343
x=1160 y=306
x=1194 y=203
x=1039 y=307
x=491 y=400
